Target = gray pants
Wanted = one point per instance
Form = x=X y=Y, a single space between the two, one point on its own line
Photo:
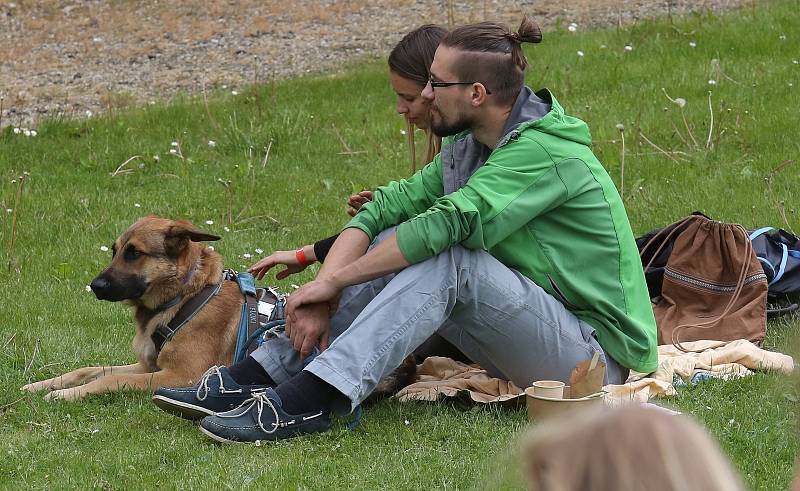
x=496 y=316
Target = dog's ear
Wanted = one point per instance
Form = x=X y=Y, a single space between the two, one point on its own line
x=186 y=229
x=180 y=233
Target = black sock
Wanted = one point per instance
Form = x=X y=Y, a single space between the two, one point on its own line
x=306 y=393
x=250 y=372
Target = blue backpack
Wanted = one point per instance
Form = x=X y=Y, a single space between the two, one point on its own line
x=779 y=254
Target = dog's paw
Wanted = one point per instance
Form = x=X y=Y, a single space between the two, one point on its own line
x=35 y=387
x=63 y=395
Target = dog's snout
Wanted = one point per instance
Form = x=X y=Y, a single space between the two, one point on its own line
x=116 y=286
x=100 y=286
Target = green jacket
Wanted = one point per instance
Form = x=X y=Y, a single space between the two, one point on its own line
x=542 y=204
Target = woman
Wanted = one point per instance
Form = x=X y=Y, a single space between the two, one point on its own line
x=409 y=71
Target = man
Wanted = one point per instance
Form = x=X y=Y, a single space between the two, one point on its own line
x=513 y=245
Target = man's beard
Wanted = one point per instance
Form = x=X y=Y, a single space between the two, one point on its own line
x=442 y=128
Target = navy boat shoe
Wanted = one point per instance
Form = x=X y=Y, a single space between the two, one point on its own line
x=262 y=418
x=216 y=392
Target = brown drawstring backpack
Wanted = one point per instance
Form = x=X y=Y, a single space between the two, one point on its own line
x=714 y=286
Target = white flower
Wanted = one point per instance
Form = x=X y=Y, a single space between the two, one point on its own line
x=137 y=205
x=226 y=229
x=692 y=44
x=88 y=113
x=9 y=210
x=104 y=248
x=628 y=47
x=88 y=288
x=402 y=132
x=173 y=151
x=212 y=143
x=680 y=101
x=712 y=82
x=795 y=62
x=209 y=222
x=295 y=286
x=234 y=92
x=34 y=133
x=173 y=144
x=156 y=158
x=246 y=255
x=782 y=37
x=17 y=131
x=580 y=53
x=27 y=132
x=259 y=251
x=620 y=126
x=791 y=84
x=603 y=46
x=407 y=422
x=572 y=27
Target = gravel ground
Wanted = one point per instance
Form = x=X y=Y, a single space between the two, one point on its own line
x=81 y=57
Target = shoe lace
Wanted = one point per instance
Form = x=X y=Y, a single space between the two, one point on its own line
x=203 y=388
x=260 y=400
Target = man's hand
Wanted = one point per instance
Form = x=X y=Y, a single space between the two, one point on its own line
x=307 y=326
x=324 y=291
x=355 y=201
x=287 y=258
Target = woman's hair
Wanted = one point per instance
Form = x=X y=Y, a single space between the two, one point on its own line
x=411 y=58
x=493 y=55
x=624 y=449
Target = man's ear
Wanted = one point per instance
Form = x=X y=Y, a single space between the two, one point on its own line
x=180 y=233
x=478 y=96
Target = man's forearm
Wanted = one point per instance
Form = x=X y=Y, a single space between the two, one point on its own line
x=347 y=264
x=351 y=244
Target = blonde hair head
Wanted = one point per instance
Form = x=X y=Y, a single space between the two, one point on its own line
x=630 y=448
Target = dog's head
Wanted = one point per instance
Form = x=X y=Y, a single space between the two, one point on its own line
x=153 y=251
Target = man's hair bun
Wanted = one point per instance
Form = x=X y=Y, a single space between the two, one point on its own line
x=529 y=31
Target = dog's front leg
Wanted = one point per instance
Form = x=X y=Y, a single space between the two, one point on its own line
x=119 y=382
x=82 y=376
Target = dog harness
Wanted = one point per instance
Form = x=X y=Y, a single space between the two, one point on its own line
x=261 y=315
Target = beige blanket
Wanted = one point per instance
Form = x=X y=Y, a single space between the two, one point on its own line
x=443 y=377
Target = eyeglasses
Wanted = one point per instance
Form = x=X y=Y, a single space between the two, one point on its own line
x=435 y=84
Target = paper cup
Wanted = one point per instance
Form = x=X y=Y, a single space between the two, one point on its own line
x=552 y=389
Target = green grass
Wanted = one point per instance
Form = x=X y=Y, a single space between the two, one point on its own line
x=71 y=206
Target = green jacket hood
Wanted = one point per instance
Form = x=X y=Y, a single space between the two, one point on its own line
x=527 y=113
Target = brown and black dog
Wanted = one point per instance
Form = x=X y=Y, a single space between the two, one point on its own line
x=155 y=262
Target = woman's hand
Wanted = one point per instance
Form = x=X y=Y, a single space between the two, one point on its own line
x=287 y=258
x=357 y=200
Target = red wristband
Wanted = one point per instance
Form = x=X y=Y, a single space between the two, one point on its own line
x=300 y=254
